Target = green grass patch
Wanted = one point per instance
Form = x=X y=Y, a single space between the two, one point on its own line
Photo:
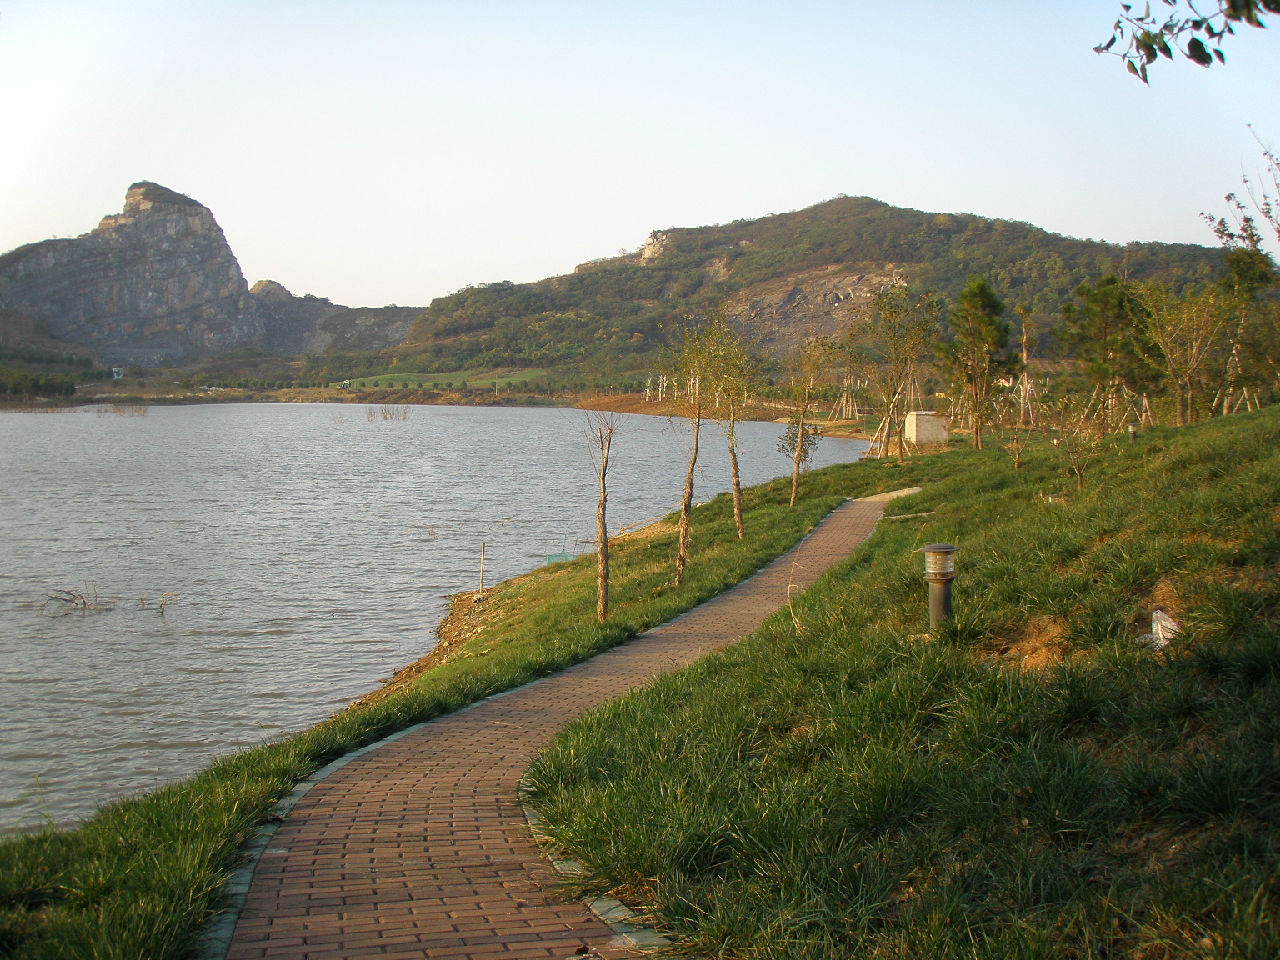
x=1030 y=782
x=140 y=878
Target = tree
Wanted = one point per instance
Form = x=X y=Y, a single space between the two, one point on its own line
x=731 y=368
x=891 y=339
x=1253 y=359
x=800 y=439
x=1082 y=425
x=1102 y=338
x=1142 y=39
x=787 y=446
x=693 y=365
x=1252 y=356
x=1183 y=331
x=978 y=354
x=600 y=427
x=1242 y=235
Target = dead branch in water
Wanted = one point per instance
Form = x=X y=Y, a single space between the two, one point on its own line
x=85 y=600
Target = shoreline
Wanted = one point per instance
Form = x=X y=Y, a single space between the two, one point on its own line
x=467 y=616
x=629 y=403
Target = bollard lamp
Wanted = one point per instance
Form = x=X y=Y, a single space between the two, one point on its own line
x=939 y=571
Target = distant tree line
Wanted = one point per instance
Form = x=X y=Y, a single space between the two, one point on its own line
x=27 y=385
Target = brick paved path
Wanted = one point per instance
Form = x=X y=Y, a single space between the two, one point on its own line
x=419 y=848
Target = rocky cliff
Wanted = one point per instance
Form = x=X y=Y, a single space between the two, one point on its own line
x=156 y=281
x=308 y=324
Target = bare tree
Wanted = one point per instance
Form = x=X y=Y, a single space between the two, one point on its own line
x=891 y=339
x=692 y=369
x=1250 y=361
x=1185 y=331
x=1026 y=388
x=1082 y=424
x=731 y=368
x=600 y=428
x=807 y=364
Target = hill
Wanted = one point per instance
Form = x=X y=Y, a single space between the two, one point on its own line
x=788 y=276
x=158 y=283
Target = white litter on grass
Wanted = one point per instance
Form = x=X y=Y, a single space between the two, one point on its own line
x=1163 y=630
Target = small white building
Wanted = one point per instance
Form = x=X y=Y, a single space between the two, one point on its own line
x=926 y=426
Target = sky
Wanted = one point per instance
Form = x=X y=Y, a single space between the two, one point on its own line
x=389 y=151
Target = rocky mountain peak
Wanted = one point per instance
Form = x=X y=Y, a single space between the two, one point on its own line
x=269 y=291
x=143 y=195
x=155 y=282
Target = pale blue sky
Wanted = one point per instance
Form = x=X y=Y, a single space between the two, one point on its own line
x=389 y=152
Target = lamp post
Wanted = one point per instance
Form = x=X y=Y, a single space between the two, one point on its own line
x=939 y=571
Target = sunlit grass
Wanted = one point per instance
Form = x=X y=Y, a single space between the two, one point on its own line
x=1030 y=782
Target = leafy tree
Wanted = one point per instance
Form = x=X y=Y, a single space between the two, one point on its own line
x=787 y=442
x=978 y=354
x=1139 y=40
x=1099 y=334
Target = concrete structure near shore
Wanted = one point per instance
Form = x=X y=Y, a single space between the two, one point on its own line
x=926 y=426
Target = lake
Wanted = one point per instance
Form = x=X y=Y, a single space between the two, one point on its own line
x=255 y=568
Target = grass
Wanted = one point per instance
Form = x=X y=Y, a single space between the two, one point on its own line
x=140 y=877
x=1029 y=782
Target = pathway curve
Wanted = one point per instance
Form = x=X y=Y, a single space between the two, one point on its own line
x=419 y=847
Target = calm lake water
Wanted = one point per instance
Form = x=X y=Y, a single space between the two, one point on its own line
x=267 y=564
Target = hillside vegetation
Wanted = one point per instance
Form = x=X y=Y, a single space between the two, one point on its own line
x=1032 y=781
x=610 y=315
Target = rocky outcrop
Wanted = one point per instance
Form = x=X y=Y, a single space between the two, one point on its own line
x=154 y=282
x=784 y=313
x=158 y=282
x=300 y=325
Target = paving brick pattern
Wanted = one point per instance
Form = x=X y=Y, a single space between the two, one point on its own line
x=419 y=847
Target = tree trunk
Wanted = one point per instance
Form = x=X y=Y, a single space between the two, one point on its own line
x=799 y=457
x=604 y=438
x=733 y=474
x=977 y=400
x=686 y=504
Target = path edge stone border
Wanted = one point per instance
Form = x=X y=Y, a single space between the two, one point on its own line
x=629 y=930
